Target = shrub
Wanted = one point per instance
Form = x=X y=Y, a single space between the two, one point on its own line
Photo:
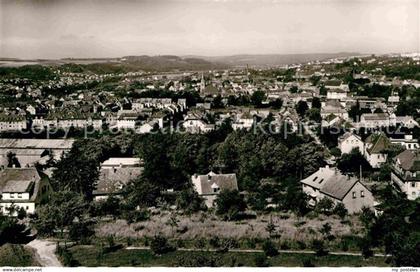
x=340 y=210
x=260 y=260
x=159 y=245
x=214 y=242
x=307 y=262
x=319 y=247
x=270 y=249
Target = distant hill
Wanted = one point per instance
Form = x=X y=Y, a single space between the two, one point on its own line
x=274 y=59
x=170 y=63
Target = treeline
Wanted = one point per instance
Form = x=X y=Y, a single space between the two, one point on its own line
x=31 y=72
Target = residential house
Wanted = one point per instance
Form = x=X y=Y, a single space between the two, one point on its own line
x=210 y=185
x=115 y=173
x=407 y=142
x=375 y=145
x=22 y=188
x=331 y=183
x=12 y=123
x=334 y=107
x=350 y=141
x=405 y=173
x=374 y=120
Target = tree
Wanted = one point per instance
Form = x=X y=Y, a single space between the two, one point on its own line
x=78 y=170
x=230 y=203
x=257 y=98
x=269 y=248
x=319 y=247
x=314 y=114
x=340 y=210
x=351 y=162
x=325 y=205
x=159 y=245
x=63 y=208
x=316 y=103
x=301 y=108
x=276 y=104
x=12 y=160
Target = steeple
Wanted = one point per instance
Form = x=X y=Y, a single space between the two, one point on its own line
x=202 y=83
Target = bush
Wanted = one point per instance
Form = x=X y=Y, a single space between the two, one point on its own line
x=307 y=262
x=319 y=247
x=199 y=260
x=260 y=260
x=340 y=210
x=159 y=245
x=270 y=249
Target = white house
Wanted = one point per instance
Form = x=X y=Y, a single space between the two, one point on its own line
x=375 y=145
x=331 y=183
x=350 y=141
x=210 y=185
x=405 y=173
x=22 y=188
x=407 y=142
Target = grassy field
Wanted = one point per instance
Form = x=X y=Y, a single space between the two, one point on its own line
x=90 y=256
x=288 y=226
x=16 y=255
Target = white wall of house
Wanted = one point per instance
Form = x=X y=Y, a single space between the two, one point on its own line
x=411 y=189
x=358 y=197
x=29 y=207
x=347 y=145
x=376 y=159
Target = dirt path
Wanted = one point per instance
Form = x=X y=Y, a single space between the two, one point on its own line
x=45 y=252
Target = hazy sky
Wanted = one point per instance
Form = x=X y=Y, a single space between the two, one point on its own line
x=106 y=28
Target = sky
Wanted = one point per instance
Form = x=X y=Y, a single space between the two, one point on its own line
x=106 y=28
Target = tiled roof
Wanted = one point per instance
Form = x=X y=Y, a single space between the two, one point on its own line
x=331 y=182
x=223 y=181
x=409 y=160
x=18 y=179
x=377 y=143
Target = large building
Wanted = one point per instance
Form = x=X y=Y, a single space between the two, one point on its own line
x=405 y=173
x=30 y=151
x=331 y=183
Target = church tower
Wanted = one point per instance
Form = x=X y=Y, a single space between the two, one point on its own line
x=202 y=83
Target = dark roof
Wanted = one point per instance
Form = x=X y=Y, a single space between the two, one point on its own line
x=409 y=160
x=377 y=143
x=223 y=181
x=331 y=182
x=19 y=180
x=111 y=180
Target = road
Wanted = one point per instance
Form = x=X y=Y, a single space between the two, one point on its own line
x=45 y=252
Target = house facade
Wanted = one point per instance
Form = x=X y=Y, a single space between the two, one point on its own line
x=375 y=145
x=331 y=183
x=210 y=185
x=350 y=141
x=22 y=188
x=405 y=173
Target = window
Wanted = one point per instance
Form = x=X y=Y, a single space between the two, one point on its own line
x=321 y=181
x=362 y=193
x=354 y=194
x=27 y=207
x=19 y=195
x=413 y=184
x=12 y=195
x=215 y=190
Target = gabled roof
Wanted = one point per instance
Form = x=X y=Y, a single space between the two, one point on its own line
x=206 y=183
x=331 y=182
x=111 y=180
x=347 y=135
x=18 y=180
x=409 y=160
x=377 y=143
